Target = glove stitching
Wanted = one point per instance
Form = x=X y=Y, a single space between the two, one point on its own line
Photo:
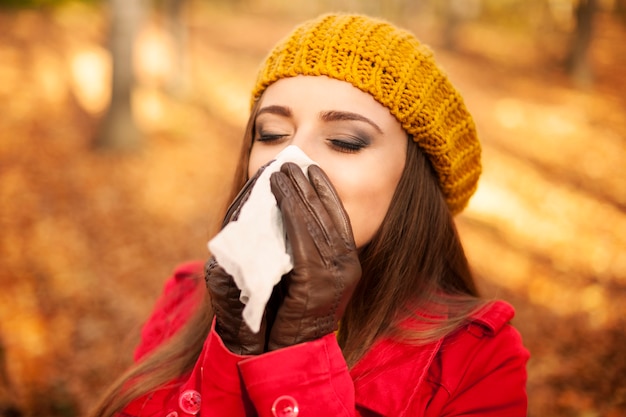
x=340 y=286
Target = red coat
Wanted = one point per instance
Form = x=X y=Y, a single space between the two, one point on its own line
x=480 y=370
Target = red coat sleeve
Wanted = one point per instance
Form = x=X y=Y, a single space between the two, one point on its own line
x=312 y=377
x=219 y=382
x=213 y=388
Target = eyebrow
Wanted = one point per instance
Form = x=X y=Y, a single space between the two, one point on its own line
x=335 y=115
x=277 y=110
x=326 y=116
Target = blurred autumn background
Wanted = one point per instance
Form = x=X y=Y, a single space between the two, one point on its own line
x=119 y=128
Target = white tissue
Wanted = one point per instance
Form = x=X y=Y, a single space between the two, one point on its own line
x=253 y=248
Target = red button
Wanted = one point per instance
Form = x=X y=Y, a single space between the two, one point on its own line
x=189 y=401
x=172 y=414
x=285 y=406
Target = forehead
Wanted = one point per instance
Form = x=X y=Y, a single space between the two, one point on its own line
x=321 y=93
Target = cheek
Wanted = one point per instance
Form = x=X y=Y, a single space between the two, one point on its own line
x=366 y=201
x=259 y=156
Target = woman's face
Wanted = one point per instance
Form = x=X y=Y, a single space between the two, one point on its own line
x=353 y=138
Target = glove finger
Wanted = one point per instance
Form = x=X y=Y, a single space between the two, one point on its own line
x=227 y=308
x=329 y=198
x=296 y=220
x=333 y=241
x=221 y=285
x=232 y=213
x=307 y=223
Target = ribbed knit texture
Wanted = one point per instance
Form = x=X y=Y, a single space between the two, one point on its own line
x=400 y=73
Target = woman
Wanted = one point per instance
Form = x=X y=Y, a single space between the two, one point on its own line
x=375 y=252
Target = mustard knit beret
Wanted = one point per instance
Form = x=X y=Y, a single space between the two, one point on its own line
x=400 y=73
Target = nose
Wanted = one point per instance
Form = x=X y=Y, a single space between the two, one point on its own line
x=307 y=142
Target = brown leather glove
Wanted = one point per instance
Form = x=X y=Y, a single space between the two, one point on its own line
x=224 y=293
x=230 y=325
x=326 y=265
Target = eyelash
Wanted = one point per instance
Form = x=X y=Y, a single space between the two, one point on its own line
x=270 y=137
x=348 y=146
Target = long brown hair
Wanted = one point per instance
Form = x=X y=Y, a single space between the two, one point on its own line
x=414 y=263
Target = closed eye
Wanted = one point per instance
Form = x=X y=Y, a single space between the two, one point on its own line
x=270 y=137
x=348 y=145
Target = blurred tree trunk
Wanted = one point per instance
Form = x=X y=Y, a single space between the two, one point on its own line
x=118 y=129
x=620 y=9
x=177 y=83
x=578 y=64
x=454 y=13
x=451 y=22
x=8 y=407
